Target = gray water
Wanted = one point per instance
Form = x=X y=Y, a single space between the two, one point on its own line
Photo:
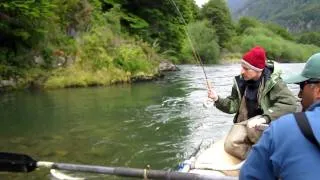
x=157 y=123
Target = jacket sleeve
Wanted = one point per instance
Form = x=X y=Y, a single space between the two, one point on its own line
x=259 y=164
x=282 y=101
x=229 y=104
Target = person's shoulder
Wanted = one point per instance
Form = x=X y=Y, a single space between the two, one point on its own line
x=284 y=121
x=275 y=70
x=284 y=125
x=273 y=66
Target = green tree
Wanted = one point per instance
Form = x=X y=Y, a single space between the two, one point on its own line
x=217 y=12
x=159 y=21
x=310 y=38
x=245 y=23
x=279 y=30
x=204 y=43
x=23 y=24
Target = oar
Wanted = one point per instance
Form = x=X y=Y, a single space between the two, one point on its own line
x=13 y=162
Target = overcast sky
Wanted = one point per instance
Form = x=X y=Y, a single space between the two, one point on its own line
x=200 y=2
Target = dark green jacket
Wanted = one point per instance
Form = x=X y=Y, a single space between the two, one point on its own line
x=275 y=99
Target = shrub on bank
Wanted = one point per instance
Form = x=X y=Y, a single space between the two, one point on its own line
x=277 y=47
x=204 y=41
x=103 y=59
x=76 y=76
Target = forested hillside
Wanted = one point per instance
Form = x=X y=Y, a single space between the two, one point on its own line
x=296 y=15
x=67 y=43
x=79 y=43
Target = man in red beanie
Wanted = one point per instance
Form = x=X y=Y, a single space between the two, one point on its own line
x=258 y=96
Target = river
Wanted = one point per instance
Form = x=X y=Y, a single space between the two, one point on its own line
x=157 y=123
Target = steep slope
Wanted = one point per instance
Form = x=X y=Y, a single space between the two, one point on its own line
x=236 y=5
x=296 y=15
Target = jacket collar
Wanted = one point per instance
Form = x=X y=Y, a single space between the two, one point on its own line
x=314 y=105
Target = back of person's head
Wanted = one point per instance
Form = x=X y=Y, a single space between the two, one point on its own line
x=255 y=58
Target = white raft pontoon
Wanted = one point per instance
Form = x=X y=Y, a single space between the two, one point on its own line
x=213 y=161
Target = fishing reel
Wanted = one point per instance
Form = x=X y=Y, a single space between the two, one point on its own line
x=209 y=102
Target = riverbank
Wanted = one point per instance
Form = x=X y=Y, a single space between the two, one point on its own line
x=75 y=76
x=230 y=58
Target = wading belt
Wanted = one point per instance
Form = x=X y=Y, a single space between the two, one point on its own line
x=305 y=128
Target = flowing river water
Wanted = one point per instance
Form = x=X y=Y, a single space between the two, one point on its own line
x=157 y=123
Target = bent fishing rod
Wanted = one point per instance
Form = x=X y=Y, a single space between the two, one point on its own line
x=14 y=162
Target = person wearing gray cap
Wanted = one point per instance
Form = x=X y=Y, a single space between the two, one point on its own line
x=289 y=148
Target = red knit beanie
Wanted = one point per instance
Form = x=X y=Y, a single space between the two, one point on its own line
x=255 y=58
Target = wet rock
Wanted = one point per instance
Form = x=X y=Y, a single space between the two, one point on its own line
x=167 y=66
x=8 y=83
x=141 y=77
x=69 y=61
x=58 y=61
x=38 y=60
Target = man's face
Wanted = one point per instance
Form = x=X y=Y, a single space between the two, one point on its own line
x=249 y=74
x=309 y=93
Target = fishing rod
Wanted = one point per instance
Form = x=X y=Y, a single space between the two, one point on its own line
x=14 y=162
x=195 y=54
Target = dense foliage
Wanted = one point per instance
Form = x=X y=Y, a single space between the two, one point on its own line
x=23 y=28
x=159 y=20
x=217 y=12
x=67 y=43
x=309 y=38
x=203 y=46
x=277 y=41
x=55 y=40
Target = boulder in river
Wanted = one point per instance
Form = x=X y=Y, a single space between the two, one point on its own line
x=167 y=66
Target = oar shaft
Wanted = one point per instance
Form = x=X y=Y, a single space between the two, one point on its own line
x=133 y=172
x=13 y=162
x=84 y=168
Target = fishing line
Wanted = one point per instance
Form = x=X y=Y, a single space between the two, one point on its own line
x=195 y=54
x=209 y=101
